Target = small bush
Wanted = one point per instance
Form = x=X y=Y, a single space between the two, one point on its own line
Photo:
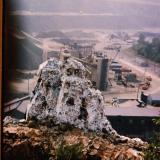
x=153 y=151
x=69 y=152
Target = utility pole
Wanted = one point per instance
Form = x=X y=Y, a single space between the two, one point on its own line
x=154 y=67
x=145 y=70
x=138 y=91
x=28 y=81
x=28 y=85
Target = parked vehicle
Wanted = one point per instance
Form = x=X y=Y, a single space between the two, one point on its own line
x=149 y=78
x=126 y=70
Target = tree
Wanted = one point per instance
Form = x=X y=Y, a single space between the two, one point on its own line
x=147 y=49
x=141 y=39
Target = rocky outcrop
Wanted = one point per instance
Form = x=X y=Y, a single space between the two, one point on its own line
x=65 y=95
x=40 y=142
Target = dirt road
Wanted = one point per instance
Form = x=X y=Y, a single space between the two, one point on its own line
x=140 y=70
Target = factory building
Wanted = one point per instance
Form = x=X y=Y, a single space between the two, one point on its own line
x=100 y=73
x=81 y=50
x=115 y=66
x=154 y=99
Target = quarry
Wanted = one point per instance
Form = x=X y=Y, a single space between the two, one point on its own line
x=81 y=80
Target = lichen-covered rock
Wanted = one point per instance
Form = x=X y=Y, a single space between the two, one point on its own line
x=9 y=119
x=64 y=94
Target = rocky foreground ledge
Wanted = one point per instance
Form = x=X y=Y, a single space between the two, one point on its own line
x=33 y=141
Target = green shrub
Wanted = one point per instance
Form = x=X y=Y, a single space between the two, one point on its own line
x=153 y=151
x=150 y=50
x=69 y=152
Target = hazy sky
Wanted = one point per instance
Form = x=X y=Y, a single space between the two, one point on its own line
x=99 y=7
x=133 y=12
x=71 y=4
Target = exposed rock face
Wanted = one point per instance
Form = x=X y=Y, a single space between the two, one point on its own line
x=22 y=142
x=64 y=94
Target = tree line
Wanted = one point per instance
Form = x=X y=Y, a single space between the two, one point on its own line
x=150 y=50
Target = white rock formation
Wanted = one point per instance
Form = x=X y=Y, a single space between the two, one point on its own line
x=64 y=94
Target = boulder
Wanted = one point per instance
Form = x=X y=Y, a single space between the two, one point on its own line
x=65 y=95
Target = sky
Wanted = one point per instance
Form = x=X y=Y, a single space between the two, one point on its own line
x=44 y=5
x=144 y=8
x=138 y=12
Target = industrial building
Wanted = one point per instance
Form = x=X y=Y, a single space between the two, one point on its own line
x=115 y=66
x=154 y=99
x=100 y=73
x=80 y=50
